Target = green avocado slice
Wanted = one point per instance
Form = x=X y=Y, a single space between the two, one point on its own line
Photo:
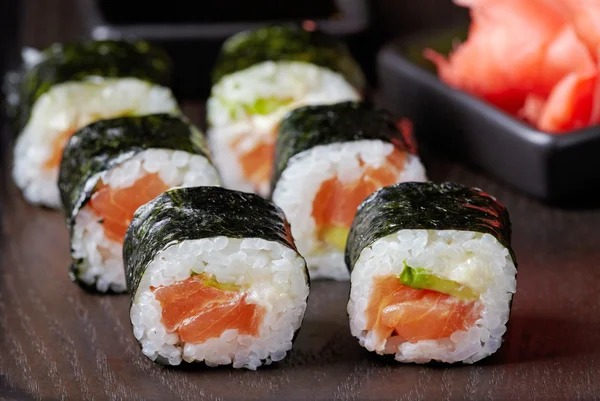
x=336 y=236
x=261 y=106
x=268 y=105
x=423 y=279
x=212 y=282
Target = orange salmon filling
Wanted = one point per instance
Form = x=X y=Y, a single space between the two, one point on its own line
x=257 y=163
x=57 y=149
x=61 y=141
x=415 y=314
x=335 y=204
x=198 y=311
x=116 y=206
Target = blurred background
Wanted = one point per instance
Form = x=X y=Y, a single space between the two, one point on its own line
x=193 y=34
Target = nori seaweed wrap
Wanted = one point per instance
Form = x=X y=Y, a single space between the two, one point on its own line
x=70 y=85
x=328 y=158
x=79 y=61
x=214 y=276
x=412 y=206
x=112 y=167
x=433 y=273
x=259 y=76
x=286 y=43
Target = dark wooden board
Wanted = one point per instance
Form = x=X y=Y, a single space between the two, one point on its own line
x=58 y=342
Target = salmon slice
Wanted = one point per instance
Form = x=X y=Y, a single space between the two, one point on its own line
x=116 y=206
x=60 y=142
x=335 y=203
x=197 y=309
x=257 y=163
x=58 y=145
x=416 y=314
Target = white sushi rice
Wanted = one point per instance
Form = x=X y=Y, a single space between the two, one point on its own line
x=475 y=260
x=102 y=258
x=73 y=105
x=305 y=83
x=302 y=179
x=273 y=276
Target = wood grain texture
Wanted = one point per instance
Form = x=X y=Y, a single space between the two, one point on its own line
x=60 y=343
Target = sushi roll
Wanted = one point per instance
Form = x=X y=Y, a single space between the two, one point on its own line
x=259 y=76
x=68 y=86
x=433 y=273
x=214 y=276
x=112 y=167
x=328 y=159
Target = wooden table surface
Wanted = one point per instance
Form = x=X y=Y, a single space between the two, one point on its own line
x=58 y=342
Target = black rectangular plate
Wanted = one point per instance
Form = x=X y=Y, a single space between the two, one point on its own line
x=555 y=168
x=186 y=11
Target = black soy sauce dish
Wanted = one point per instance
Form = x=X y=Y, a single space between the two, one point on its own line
x=556 y=168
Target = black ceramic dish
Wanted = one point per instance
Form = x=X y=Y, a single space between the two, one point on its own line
x=193 y=40
x=118 y=12
x=555 y=168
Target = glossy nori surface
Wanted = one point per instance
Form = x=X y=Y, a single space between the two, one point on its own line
x=286 y=43
x=77 y=61
x=427 y=206
x=310 y=126
x=105 y=144
x=195 y=213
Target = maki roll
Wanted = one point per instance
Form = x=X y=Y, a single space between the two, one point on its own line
x=328 y=159
x=112 y=167
x=68 y=86
x=259 y=76
x=214 y=276
x=433 y=274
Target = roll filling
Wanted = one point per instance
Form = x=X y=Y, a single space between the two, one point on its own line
x=199 y=308
x=410 y=310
